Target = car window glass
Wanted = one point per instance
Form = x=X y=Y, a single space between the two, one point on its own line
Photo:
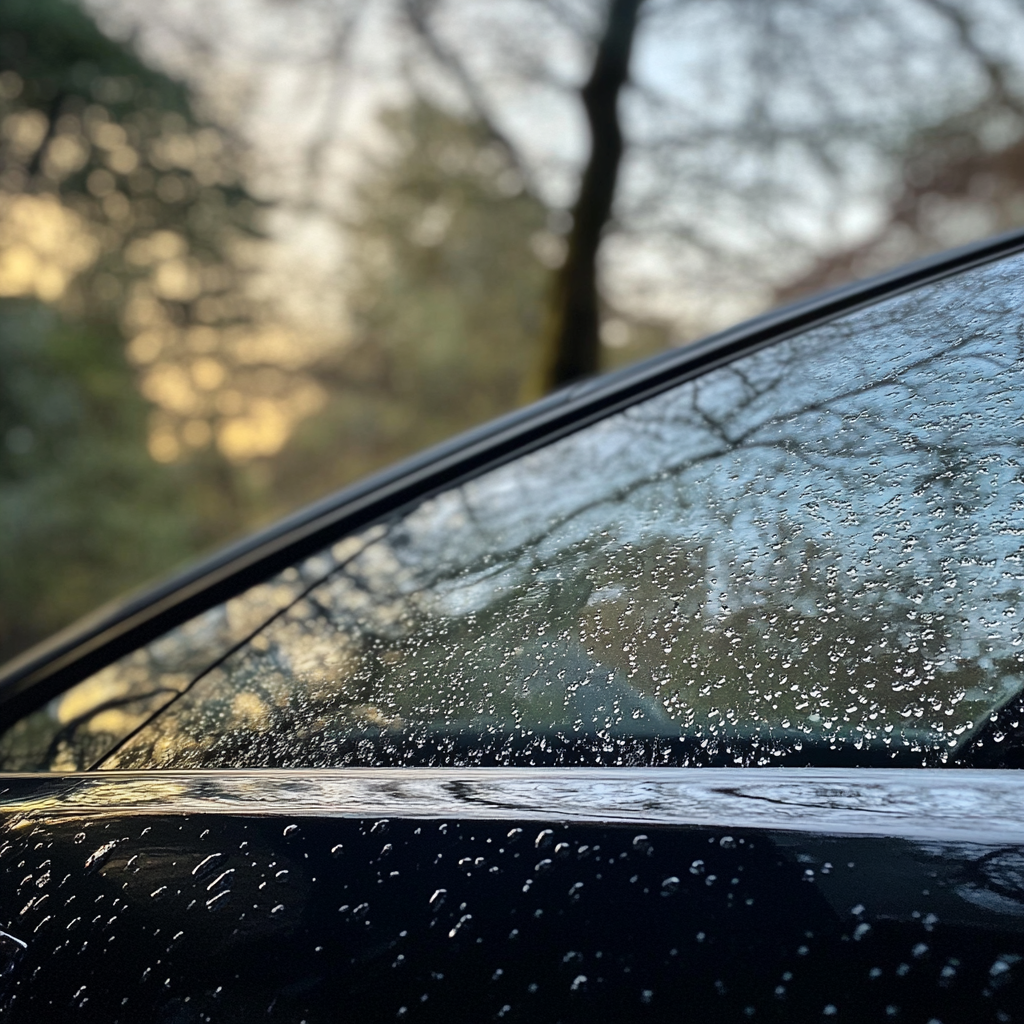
x=810 y=555
x=82 y=724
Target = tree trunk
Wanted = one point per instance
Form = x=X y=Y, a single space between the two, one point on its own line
x=571 y=343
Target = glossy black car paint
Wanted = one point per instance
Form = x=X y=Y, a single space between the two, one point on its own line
x=233 y=918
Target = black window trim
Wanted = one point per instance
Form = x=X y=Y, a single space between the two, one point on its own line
x=44 y=671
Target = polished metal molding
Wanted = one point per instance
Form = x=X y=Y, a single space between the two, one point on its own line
x=924 y=804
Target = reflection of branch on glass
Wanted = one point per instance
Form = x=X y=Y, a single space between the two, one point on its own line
x=67 y=737
x=350 y=555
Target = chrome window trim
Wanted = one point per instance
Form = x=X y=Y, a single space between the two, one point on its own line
x=983 y=806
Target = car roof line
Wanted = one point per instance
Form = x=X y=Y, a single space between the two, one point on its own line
x=121 y=626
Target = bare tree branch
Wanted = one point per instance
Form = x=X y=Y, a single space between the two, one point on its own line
x=419 y=13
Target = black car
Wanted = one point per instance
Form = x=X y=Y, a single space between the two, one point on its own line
x=692 y=693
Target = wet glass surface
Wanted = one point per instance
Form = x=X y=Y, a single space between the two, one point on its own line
x=810 y=555
x=81 y=725
x=172 y=918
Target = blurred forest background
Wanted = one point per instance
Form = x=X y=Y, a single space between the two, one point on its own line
x=251 y=250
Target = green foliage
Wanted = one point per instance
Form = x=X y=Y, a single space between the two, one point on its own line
x=105 y=153
x=58 y=50
x=445 y=303
x=448 y=311
x=84 y=512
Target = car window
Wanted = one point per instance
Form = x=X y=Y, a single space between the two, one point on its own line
x=809 y=555
x=82 y=724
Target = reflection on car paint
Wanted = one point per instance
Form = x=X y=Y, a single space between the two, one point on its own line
x=240 y=918
x=929 y=805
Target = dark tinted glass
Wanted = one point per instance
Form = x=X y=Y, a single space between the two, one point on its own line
x=811 y=554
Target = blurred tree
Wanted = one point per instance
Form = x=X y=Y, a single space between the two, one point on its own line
x=118 y=204
x=444 y=301
x=571 y=337
x=451 y=269
x=745 y=144
x=958 y=179
x=755 y=138
x=118 y=214
x=85 y=511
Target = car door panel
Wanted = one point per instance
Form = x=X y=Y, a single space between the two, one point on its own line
x=433 y=895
